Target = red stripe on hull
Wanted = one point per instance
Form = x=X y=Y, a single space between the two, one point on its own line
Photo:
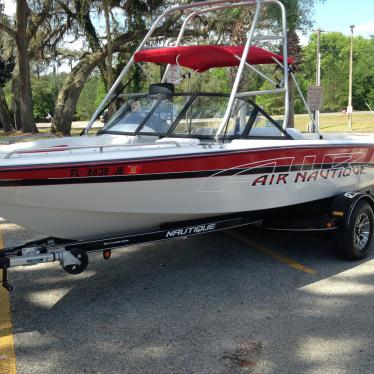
x=287 y=156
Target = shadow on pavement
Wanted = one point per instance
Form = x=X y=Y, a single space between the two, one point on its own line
x=209 y=304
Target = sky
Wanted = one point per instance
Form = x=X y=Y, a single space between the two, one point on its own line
x=9 y=7
x=338 y=15
x=332 y=15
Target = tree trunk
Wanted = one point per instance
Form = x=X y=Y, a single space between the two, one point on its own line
x=68 y=96
x=109 y=48
x=295 y=51
x=16 y=101
x=291 y=103
x=5 y=115
x=22 y=41
x=27 y=119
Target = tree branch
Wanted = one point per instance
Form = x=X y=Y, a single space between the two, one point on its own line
x=38 y=19
x=7 y=29
x=66 y=9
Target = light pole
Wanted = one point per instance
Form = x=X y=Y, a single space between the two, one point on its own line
x=318 y=74
x=350 y=107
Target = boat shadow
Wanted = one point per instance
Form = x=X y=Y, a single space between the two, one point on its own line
x=207 y=297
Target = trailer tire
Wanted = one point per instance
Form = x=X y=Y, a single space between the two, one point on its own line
x=77 y=269
x=355 y=239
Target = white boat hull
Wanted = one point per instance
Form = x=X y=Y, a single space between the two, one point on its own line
x=78 y=211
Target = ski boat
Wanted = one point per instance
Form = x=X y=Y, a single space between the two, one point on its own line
x=86 y=191
x=167 y=156
x=174 y=164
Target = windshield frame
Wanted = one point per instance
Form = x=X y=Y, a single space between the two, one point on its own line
x=169 y=133
x=138 y=130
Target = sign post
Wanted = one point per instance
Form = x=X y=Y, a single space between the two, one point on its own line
x=315 y=99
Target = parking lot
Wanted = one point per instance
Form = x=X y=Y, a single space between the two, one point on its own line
x=229 y=302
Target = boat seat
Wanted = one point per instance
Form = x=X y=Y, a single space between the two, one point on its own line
x=203 y=131
x=296 y=134
x=273 y=131
x=265 y=131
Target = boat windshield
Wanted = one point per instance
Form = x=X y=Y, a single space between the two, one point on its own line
x=205 y=114
x=190 y=115
x=148 y=114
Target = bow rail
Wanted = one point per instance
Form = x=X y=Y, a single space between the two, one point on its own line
x=100 y=147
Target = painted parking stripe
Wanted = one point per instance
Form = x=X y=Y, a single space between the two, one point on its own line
x=283 y=259
x=7 y=354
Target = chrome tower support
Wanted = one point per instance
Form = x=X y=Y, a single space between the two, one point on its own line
x=212 y=5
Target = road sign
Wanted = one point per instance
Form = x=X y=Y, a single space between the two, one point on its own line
x=349 y=109
x=315 y=95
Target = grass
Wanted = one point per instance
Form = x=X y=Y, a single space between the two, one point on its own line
x=338 y=122
x=43 y=133
x=363 y=122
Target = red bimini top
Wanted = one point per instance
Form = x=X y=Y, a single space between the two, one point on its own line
x=203 y=57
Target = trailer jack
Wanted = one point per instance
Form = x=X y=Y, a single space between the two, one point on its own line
x=4 y=281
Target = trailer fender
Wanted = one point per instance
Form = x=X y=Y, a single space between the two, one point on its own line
x=342 y=207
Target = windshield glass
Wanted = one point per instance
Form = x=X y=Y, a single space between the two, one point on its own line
x=190 y=115
x=155 y=114
x=206 y=113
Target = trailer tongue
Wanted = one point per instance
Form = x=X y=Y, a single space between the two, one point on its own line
x=72 y=254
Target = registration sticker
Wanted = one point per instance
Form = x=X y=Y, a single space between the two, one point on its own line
x=133 y=169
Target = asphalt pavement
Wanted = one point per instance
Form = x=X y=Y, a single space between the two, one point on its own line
x=244 y=301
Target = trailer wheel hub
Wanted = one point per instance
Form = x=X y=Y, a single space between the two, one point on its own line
x=362 y=231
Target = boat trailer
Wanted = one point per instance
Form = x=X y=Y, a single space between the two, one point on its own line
x=72 y=254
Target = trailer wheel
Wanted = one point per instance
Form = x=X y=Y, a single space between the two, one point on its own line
x=77 y=269
x=355 y=240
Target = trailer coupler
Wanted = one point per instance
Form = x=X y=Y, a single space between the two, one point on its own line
x=73 y=262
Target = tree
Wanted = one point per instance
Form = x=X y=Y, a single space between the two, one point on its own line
x=335 y=48
x=363 y=84
x=69 y=94
x=79 y=11
x=27 y=23
x=6 y=68
x=125 y=42
x=44 y=91
x=106 y=6
x=334 y=68
x=90 y=97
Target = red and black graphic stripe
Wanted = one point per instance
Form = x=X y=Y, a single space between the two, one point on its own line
x=189 y=166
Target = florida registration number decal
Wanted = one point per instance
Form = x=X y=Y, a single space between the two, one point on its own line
x=104 y=171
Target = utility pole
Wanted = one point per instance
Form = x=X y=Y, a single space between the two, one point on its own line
x=350 y=107
x=318 y=74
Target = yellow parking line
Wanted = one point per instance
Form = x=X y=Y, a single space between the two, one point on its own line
x=285 y=260
x=7 y=354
